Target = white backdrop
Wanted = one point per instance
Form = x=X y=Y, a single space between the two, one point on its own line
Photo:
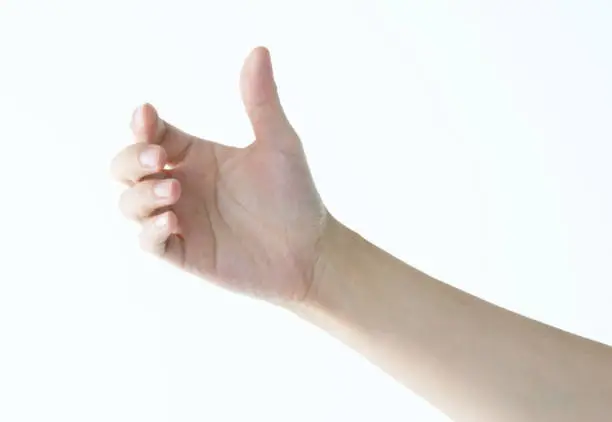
x=471 y=139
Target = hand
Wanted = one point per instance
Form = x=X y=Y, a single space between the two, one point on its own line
x=248 y=218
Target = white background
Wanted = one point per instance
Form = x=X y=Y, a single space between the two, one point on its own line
x=471 y=139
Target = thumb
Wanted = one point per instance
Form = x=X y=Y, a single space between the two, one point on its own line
x=261 y=101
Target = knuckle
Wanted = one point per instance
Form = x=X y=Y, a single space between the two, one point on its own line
x=138 y=201
x=125 y=203
x=120 y=165
x=149 y=243
x=116 y=169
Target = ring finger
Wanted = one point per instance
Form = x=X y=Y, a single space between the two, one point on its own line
x=144 y=198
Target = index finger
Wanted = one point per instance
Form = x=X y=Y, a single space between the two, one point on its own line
x=148 y=127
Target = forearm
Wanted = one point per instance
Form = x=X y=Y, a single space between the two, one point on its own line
x=473 y=360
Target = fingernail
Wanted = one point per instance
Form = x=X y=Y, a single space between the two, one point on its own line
x=163 y=189
x=161 y=221
x=149 y=158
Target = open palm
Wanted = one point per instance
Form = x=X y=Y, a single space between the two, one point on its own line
x=247 y=218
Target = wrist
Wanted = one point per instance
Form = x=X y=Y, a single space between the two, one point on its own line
x=340 y=252
x=332 y=246
x=352 y=277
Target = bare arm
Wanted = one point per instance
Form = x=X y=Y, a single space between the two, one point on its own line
x=251 y=220
x=473 y=360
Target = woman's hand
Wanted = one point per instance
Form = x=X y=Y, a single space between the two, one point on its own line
x=248 y=218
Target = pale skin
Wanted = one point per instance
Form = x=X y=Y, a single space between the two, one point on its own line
x=250 y=219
